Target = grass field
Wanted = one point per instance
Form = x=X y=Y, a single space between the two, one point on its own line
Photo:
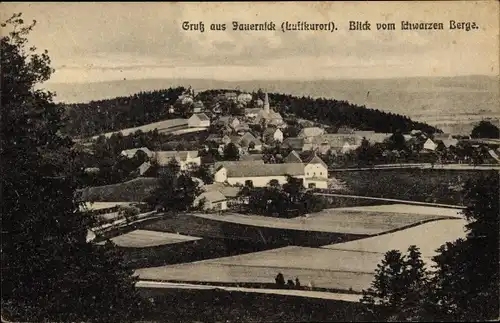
x=428 y=237
x=132 y=191
x=345 y=220
x=425 y=185
x=164 y=126
x=144 y=238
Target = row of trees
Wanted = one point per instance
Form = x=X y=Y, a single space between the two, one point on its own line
x=464 y=285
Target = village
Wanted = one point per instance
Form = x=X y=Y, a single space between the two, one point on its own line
x=253 y=148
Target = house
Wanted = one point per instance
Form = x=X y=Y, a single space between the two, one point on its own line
x=442 y=136
x=314 y=173
x=231 y=96
x=293 y=157
x=231 y=193
x=338 y=143
x=272 y=134
x=91 y=170
x=184 y=158
x=199 y=120
x=310 y=132
x=293 y=143
x=130 y=153
x=258 y=175
x=212 y=200
x=247 y=141
x=143 y=168
x=430 y=145
x=228 y=121
x=347 y=147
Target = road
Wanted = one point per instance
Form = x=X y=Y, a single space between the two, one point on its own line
x=291 y=292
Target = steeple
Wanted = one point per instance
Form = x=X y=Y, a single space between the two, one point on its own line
x=266 y=103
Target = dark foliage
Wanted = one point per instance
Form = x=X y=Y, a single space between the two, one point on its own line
x=49 y=271
x=485 y=129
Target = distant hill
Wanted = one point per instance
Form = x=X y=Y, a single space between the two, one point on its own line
x=446 y=102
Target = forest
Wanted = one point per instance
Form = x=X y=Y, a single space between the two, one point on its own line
x=95 y=117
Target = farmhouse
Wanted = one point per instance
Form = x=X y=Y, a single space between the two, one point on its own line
x=130 y=153
x=212 y=200
x=313 y=173
x=199 y=120
x=184 y=158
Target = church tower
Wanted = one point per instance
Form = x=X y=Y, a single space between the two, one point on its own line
x=266 y=103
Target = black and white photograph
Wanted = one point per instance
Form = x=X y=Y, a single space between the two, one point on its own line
x=250 y=161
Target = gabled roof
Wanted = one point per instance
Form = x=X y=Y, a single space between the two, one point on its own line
x=214 y=137
x=251 y=157
x=239 y=163
x=202 y=116
x=144 y=168
x=292 y=169
x=449 y=142
x=293 y=157
x=316 y=160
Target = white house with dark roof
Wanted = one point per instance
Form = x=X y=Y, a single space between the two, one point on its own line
x=199 y=120
x=184 y=158
x=313 y=173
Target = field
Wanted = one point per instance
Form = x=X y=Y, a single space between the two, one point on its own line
x=424 y=185
x=346 y=266
x=135 y=190
x=428 y=237
x=165 y=126
x=144 y=238
x=343 y=220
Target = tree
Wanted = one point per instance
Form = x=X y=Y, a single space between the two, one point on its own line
x=467 y=278
x=485 y=129
x=231 y=152
x=49 y=271
x=397 y=292
x=280 y=280
x=397 y=142
x=176 y=191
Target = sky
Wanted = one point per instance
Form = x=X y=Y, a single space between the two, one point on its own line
x=92 y=42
